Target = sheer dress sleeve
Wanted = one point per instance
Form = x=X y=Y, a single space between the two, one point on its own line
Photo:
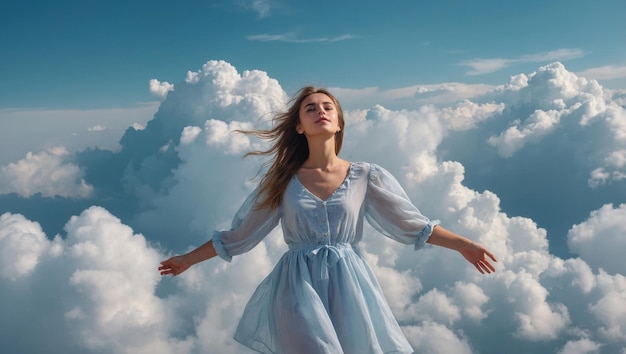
x=390 y=211
x=248 y=228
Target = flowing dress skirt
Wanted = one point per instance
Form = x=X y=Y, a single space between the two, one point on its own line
x=320 y=299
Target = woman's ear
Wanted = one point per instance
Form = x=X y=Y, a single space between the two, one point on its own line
x=299 y=129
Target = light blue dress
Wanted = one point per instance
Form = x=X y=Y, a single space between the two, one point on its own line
x=322 y=297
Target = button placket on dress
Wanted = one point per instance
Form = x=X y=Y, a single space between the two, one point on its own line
x=325 y=225
x=329 y=254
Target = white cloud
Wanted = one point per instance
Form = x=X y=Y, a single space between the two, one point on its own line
x=600 y=239
x=489 y=65
x=25 y=130
x=520 y=245
x=580 y=346
x=435 y=306
x=22 y=246
x=219 y=91
x=411 y=97
x=114 y=301
x=599 y=176
x=618 y=96
x=574 y=271
x=399 y=287
x=610 y=309
x=600 y=306
x=215 y=101
x=485 y=66
x=137 y=126
x=261 y=7
x=554 y=55
x=467 y=114
x=617 y=159
x=535 y=127
x=536 y=318
x=160 y=89
x=114 y=277
x=294 y=38
x=432 y=337
x=97 y=128
x=607 y=72
x=48 y=173
x=471 y=298
x=108 y=279
x=614 y=169
x=565 y=106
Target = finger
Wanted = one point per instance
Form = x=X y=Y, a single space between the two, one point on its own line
x=491 y=256
x=488 y=267
x=172 y=271
x=165 y=267
x=478 y=268
x=484 y=269
x=491 y=266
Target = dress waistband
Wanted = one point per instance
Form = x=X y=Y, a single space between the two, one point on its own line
x=311 y=246
x=330 y=254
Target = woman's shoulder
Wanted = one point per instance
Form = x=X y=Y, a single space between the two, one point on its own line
x=359 y=166
x=366 y=169
x=371 y=171
x=366 y=166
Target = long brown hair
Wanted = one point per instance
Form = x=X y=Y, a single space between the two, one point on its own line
x=289 y=149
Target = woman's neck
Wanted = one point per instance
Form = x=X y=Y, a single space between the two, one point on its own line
x=321 y=154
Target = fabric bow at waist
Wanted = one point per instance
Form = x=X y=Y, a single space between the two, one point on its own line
x=330 y=255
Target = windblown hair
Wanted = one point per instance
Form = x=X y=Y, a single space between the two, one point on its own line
x=289 y=149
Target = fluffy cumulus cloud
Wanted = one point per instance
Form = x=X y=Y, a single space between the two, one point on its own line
x=22 y=244
x=160 y=89
x=557 y=94
x=600 y=239
x=107 y=301
x=94 y=286
x=581 y=346
x=565 y=104
x=111 y=274
x=432 y=337
x=49 y=172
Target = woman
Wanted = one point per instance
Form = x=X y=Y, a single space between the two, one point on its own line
x=322 y=297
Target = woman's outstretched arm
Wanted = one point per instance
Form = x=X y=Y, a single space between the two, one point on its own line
x=474 y=253
x=179 y=264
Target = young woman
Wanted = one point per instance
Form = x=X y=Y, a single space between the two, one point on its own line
x=322 y=297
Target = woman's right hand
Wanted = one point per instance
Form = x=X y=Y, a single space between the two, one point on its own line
x=174 y=265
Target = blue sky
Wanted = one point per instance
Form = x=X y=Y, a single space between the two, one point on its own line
x=505 y=120
x=98 y=54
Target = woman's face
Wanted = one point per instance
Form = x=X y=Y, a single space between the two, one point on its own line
x=318 y=116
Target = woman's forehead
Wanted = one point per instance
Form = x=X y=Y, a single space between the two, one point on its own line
x=317 y=98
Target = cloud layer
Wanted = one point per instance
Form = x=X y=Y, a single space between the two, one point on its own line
x=172 y=183
x=485 y=66
x=47 y=173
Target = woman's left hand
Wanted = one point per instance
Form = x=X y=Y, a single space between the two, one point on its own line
x=477 y=254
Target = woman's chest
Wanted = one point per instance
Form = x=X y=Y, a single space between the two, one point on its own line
x=301 y=206
x=321 y=184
